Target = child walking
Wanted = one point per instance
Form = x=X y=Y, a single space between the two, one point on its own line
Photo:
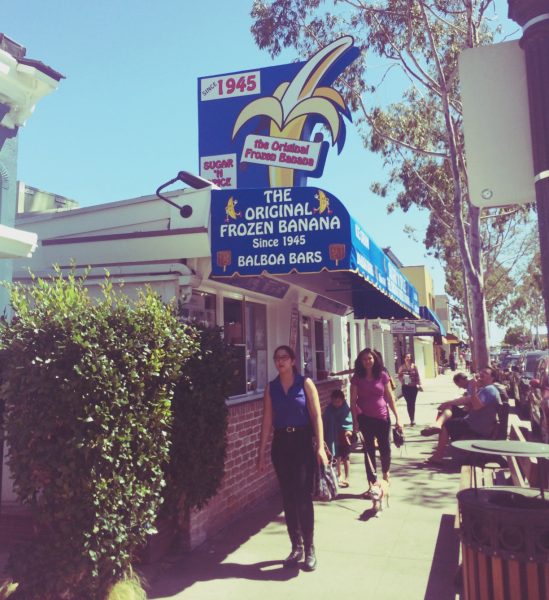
x=338 y=431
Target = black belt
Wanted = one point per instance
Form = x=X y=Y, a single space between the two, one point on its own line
x=292 y=429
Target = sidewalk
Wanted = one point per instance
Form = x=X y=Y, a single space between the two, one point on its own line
x=409 y=552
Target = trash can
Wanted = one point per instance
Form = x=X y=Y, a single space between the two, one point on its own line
x=505 y=543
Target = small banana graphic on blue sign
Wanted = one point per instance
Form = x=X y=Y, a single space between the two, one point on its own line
x=230 y=210
x=323 y=203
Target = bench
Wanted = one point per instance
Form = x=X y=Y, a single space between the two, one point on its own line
x=524 y=470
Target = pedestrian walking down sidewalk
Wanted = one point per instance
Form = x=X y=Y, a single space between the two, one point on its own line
x=410 y=553
x=292 y=408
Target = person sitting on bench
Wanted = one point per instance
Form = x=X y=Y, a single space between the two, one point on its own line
x=456 y=408
x=482 y=416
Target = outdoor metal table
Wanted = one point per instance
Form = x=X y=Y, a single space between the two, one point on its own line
x=508 y=448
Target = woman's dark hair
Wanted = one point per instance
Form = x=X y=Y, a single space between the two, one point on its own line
x=379 y=357
x=289 y=350
x=360 y=370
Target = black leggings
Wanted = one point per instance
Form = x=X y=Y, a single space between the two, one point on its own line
x=372 y=428
x=294 y=463
x=410 y=394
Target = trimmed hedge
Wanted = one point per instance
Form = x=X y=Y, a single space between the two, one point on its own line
x=197 y=456
x=87 y=387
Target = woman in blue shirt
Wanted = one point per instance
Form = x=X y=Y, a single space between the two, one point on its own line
x=292 y=407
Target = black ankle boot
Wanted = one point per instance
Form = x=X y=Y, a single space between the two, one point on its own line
x=295 y=556
x=310 y=559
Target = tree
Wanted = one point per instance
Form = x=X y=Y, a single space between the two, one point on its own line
x=517 y=336
x=509 y=246
x=525 y=304
x=420 y=135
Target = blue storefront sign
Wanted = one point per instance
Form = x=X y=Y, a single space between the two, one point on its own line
x=303 y=230
x=257 y=127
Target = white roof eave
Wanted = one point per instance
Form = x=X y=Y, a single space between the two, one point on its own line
x=15 y=243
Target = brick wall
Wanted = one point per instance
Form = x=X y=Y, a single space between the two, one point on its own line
x=242 y=486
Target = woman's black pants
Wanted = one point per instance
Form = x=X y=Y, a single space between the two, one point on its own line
x=294 y=463
x=372 y=429
x=410 y=394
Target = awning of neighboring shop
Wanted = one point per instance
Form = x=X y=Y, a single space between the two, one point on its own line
x=305 y=236
x=415 y=327
x=450 y=338
x=15 y=243
x=426 y=313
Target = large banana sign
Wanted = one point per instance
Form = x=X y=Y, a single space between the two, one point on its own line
x=255 y=127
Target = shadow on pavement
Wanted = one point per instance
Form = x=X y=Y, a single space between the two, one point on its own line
x=179 y=572
x=441 y=584
x=368 y=514
x=187 y=574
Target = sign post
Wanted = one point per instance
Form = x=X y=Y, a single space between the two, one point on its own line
x=533 y=17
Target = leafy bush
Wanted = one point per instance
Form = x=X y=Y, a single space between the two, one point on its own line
x=197 y=455
x=87 y=387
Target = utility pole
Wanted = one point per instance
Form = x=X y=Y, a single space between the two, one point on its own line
x=533 y=17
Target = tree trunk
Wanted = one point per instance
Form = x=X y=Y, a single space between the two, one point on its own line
x=469 y=242
x=466 y=304
x=481 y=353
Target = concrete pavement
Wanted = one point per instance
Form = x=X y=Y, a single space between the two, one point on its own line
x=408 y=552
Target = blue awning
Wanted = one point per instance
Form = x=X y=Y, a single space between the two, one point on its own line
x=306 y=236
x=426 y=313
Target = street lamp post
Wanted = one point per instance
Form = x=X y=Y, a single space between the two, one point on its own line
x=533 y=17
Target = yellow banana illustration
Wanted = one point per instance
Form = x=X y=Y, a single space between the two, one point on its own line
x=230 y=210
x=294 y=101
x=323 y=203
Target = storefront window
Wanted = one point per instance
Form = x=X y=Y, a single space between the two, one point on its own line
x=322 y=348
x=256 y=345
x=327 y=331
x=317 y=345
x=349 y=348
x=200 y=308
x=307 y=336
x=245 y=326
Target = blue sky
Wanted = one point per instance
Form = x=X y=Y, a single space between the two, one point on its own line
x=125 y=118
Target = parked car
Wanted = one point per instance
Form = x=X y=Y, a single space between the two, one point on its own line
x=539 y=400
x=507 y=363
x=520 y=377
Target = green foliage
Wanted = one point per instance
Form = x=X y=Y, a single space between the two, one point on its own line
x=517 y=336
x=197 y=455
x=87 y=387
x=524 y=305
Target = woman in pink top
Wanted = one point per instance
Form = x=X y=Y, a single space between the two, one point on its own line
x=371 y=396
